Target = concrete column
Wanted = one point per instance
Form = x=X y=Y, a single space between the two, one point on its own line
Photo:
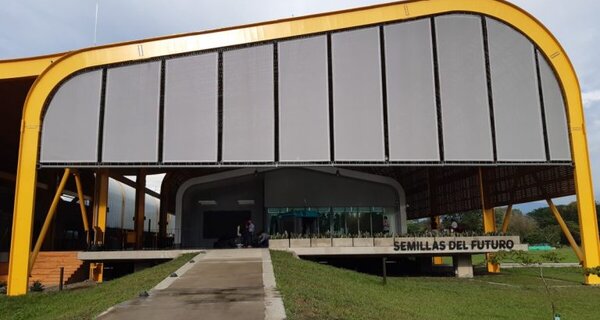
x=463 y=266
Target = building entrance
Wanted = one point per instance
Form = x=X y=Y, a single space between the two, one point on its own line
x=294 y=201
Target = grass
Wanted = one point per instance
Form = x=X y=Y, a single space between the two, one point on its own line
x=314 y=291
x=87 y=302
x=566 y=254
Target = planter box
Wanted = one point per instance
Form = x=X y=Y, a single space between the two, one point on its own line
x=321 y=242
x=299 y=243
x=279 y=243
x=384 y=242
x=342 y=242
x=363 y=242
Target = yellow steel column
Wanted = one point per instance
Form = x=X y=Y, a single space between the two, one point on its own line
x=140 y=204
x=49 y=217
x=84 y=217
x=435 y=225
x=506 y=220
x=20 y=245
x=565 y=230
x=99 y=220
x=586 y=205
x=489 y=220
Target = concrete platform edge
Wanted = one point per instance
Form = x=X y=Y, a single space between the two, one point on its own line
x=274 y=309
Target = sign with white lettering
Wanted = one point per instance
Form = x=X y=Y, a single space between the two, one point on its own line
x=457 y=244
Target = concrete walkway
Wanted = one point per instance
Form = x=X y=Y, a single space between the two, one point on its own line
x=221 y=284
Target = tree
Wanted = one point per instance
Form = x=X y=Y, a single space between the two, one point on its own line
x=417 y=226
x=550 y=231
x=521 y=224
x=471 y=221
x=548 y=234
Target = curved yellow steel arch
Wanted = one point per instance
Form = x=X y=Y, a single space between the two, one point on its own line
x=75 y=61
x=27 y=67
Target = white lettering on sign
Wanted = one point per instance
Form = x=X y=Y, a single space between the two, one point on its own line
x=482 y=244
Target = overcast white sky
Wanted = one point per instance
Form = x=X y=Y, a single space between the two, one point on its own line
x=34 y=27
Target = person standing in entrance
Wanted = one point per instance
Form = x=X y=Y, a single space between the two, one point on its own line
x=386 y=225
x=250 y=229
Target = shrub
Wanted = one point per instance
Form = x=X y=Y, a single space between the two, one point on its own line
x=36 y=286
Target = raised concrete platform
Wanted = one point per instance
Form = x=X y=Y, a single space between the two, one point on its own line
x=382 y=251
x=460 y=248
x=434 y=246
x=133 y=255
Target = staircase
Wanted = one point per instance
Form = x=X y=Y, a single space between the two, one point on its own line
x=47 y=268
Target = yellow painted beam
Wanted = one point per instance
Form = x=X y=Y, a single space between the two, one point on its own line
x=27 y=67
x=138 y=50
x=100 y=206
x=489 y=220
x=435 y=225
x=49 y=217
x=565 y=230
x=506 y=221
x=84 y=217
x=99 y=220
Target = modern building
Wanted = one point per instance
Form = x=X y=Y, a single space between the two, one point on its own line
x=326 y=123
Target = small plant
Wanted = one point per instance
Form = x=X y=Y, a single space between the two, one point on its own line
x=341 y=235
x=362 y=235
x=37 y=286
x=594 y=270
x=279 y=236
x=325 y=235
x=2 y=287
x=528 y=259
x=299 y=236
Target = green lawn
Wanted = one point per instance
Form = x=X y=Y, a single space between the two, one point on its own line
x=566 y=254
x=89 y=302
x=314 y=291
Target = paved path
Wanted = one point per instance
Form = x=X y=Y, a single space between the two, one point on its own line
x=221 y=284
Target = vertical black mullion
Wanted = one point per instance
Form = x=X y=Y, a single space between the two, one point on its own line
x=161 y=111
x=220 y=107
x=542 y=105
x=386 y=144
x=438 y=99
x=330 y=92
x=276 y=101
x=486 y=53
x=101 y=115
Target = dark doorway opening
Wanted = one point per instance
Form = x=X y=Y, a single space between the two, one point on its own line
x=223 y=224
